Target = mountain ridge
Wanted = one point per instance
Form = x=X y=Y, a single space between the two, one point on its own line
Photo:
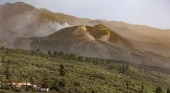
x=24 y=26
x=116 y=47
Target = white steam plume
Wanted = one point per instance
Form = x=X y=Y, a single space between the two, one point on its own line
x=48 y=28
x=27 y=25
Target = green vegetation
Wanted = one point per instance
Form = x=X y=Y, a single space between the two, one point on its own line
x=159 y=90
x=74 y=74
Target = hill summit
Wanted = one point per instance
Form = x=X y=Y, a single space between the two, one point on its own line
x=24 y=26
x=96 y=41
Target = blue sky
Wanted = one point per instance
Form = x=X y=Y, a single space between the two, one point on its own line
x=155 y=13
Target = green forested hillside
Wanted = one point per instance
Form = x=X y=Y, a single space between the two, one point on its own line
x=67 y=73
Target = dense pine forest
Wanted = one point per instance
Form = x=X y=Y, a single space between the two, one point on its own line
x=68 y=73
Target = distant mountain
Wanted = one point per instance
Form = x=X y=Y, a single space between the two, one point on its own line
x=22 y=20
x=24 y=26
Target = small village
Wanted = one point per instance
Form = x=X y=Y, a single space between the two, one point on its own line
x=44 y=86
x=23 y=87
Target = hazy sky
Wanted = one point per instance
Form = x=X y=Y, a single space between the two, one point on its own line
x=155 y=13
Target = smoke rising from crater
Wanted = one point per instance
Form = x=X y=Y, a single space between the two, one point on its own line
x=25 y=24
x=28 y=24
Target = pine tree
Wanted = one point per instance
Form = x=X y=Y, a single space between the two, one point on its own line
x=62 y=83
x=62 y=70
x=49 y=53
x=122 y=69
x=108 y=62
x=55 y=54
x=38 y=50
x=142 y=87
x=32 y=52
x=2 y=48
x=168 y=90
x=127 y=84
x=158 y=90
x=8 y=72
x=127 y=67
